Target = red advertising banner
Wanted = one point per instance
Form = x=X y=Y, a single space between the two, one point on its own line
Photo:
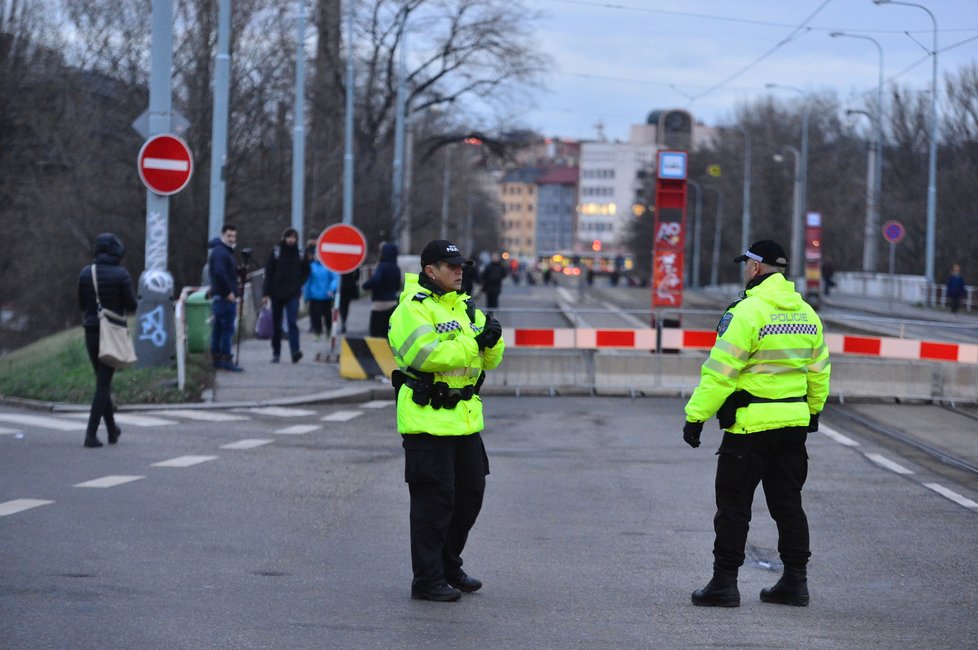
x=670 y=230
x=813 y=258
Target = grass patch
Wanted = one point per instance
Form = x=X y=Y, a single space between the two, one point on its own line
x=57 y=369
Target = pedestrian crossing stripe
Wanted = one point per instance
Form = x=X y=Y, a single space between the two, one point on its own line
x=6 y=432
x=202 y=415
x=280 y=412
x=341 y=416
x=249 y=443
x=130 y=419
x=298 y=429
x=184 y=461
x=43 y=421
x=378 y=404
x=108 y=481
x=20 y=505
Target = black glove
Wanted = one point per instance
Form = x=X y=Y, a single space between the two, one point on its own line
x=491 y=332
x=691 y=433
x=813 y=423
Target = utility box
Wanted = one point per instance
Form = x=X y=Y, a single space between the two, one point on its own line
x=155 y=330
x=198 y=321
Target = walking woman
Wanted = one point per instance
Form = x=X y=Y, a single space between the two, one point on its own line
x=114 y=293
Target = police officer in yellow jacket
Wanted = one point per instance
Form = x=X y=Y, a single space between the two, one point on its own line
x=767 y=379
x=443 y=345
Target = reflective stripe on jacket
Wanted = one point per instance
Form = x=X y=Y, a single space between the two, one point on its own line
x=433 y=333
x=770 y=344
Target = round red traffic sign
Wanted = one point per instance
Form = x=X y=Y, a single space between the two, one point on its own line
x=165 y=164
x=341 y=248
x=893 y=232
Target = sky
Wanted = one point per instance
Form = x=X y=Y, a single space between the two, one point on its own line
x=613 y=61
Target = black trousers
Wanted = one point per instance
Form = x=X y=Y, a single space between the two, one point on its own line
x=102 y=407
x=321 y=316
x=446 y=476
x=380 y=321
x=778 y=460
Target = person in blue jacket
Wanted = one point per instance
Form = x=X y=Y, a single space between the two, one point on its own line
x=385 y=285
x=319 y=292
x=956 y=289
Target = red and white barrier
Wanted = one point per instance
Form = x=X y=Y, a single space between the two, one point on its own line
x=682 y=339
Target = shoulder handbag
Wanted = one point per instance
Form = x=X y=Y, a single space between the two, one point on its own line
x=115 y=348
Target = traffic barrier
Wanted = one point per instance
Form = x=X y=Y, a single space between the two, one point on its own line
x=682 y=339
x=365 y=358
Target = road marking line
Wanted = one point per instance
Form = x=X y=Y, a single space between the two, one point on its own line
x=341 y=416
x=838 y=437
x=43 y=421
x=882 y=461
x=108 y=481
x=184 y=461
x=203 y=416
x=952 y=495
x=128 y=418
x=166 y=164
x=378 y=404
x=280 y=412
x=6 y=432
x=250 y=443
x=298 y=429
x=20 y=505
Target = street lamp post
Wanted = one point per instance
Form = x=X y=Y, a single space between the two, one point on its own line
x=717 y=231
x=801 y=204
x=697 y=230
x=872 y=207
x=932 y=155
x=875 y=195
x=745 y=222
x=796 y=208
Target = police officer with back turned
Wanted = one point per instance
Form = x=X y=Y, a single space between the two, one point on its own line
x=443 y=345
x=766 y=379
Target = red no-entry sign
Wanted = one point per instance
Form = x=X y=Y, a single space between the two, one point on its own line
x=341 y=248
x=165 y=164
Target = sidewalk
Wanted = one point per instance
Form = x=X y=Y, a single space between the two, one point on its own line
x=309 y=380
x=898 y=309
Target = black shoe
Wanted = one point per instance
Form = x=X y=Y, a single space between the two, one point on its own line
x=721 y=591
x=441 y=593
x=114 y=434
x=466 y=583
x=296 y=356
x=92 y=442
x=791 y=589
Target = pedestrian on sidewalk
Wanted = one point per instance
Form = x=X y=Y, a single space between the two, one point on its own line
x=349 y=291
x=766 y=380
x=222 y=270
x=285 y=274
x=384 y=285
x=442 y=345
x=955 y=289
x=115 y=294
x=492 y=281
x=319 y=292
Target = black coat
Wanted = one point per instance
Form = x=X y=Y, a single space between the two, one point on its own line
x=492 y=277
x=114 y=285
x=285 y=273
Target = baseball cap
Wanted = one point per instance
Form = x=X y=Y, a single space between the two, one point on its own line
x=442 y=250
x=766 y=251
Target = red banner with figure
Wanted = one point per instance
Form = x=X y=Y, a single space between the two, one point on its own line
x=670 y=230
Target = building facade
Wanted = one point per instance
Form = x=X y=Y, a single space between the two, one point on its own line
x=556 y=211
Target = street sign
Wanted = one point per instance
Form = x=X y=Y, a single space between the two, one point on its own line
x=165 y=164
x=893 y=232
x=341 y=248
x=672 y=165
x=714 y=171
x=178 y=123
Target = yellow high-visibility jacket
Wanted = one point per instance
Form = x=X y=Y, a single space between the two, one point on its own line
x=433 y=333
x=770 y=344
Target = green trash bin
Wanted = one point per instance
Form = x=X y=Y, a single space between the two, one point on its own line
x=198 y=322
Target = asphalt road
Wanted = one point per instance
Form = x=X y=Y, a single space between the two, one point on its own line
x=596 y=527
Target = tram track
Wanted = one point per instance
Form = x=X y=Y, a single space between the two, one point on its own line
x=917 y=442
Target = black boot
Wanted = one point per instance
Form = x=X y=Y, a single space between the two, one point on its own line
x=791 y=589
x=92 y=442
x=721 y=591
